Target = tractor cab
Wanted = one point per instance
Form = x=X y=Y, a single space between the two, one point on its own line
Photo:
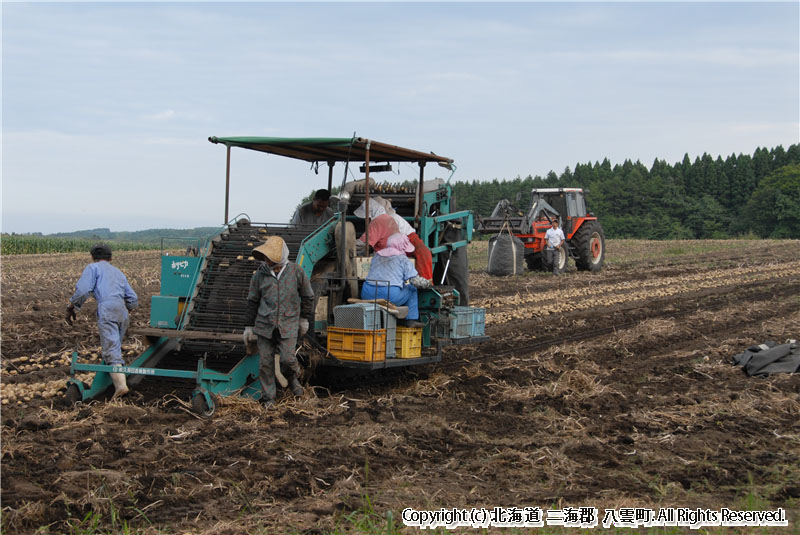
x=567 y=204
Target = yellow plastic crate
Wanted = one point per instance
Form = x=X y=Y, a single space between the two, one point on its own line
x=357 y=344
x=408 y=343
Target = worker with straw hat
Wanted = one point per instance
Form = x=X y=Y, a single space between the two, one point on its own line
x=280 y=307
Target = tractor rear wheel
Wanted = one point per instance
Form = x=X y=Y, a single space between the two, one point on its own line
x=590 y=244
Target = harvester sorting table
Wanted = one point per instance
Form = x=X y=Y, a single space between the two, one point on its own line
x=196 y=323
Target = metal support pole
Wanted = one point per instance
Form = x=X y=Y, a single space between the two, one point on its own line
x=366 y=200
x=227 y=184
x=330 y=175
x=418 y=209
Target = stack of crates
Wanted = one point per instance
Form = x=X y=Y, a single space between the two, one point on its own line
x=362 y=331
x=463 y=322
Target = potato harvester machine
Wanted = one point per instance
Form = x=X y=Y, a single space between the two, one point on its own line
x=197 y=320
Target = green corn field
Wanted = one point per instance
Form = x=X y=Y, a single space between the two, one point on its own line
x=11 y=244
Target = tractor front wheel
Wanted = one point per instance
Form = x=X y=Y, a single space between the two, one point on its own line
x=590 y=244
x=534 y=261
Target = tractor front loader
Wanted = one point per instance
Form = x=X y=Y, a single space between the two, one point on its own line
x=585 y=241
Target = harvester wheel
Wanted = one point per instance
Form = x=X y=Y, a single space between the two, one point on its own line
x=200 y=405
x=73 y=394
x=590 y=243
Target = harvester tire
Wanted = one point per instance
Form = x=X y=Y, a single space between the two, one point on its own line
x=534 y=261
x=200 y=405
x=73 y=394
x=590 y=244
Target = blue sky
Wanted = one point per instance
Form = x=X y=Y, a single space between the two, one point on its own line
x=107 y=107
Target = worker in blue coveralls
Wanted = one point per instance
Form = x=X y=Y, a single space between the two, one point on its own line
x=115 y=298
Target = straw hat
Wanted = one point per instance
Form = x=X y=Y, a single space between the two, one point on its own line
x=272 y=249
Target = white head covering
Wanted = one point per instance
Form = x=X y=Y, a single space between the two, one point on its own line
x=376 y=208
x=284 y=255
x=402 y=224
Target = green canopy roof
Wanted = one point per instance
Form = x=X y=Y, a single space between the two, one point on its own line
x=332 y=149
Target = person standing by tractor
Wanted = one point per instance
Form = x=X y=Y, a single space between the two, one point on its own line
x=280 y=307
x=554 y=238
x=115 y=298
x=315 y=212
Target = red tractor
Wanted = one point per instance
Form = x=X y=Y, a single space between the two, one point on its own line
x=585 y=241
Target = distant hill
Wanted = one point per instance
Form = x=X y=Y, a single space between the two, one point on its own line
x=152 y=236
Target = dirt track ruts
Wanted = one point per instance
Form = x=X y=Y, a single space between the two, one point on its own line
x=629 y=403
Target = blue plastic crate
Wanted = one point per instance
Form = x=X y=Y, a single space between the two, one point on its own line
x=478 y=321
x=463 y=322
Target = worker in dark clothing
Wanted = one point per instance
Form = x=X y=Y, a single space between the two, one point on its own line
x=280 y=307
x=315 y=212
x=453 y=265
x=115 y=298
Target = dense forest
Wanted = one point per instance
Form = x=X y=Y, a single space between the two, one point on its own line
x=705 y=198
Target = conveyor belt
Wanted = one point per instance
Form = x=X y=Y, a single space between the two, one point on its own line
x=220 y=301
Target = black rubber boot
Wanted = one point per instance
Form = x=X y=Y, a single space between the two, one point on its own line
x=297 y=389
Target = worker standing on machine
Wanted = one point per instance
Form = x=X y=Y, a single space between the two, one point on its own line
x=280 y=307
x=115 y=298
x=380 y=229
x=315 y=212
x=424 y=259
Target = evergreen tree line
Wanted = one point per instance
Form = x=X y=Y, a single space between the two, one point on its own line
x=704 y=198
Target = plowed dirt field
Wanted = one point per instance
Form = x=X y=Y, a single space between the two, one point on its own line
x=604 y=390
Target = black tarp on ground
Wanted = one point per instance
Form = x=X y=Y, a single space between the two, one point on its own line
x=769 y=358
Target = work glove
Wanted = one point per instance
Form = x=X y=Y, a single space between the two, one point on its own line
x=420 y=282
x=247 y=335
x=303 y=328
x=72 y=314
